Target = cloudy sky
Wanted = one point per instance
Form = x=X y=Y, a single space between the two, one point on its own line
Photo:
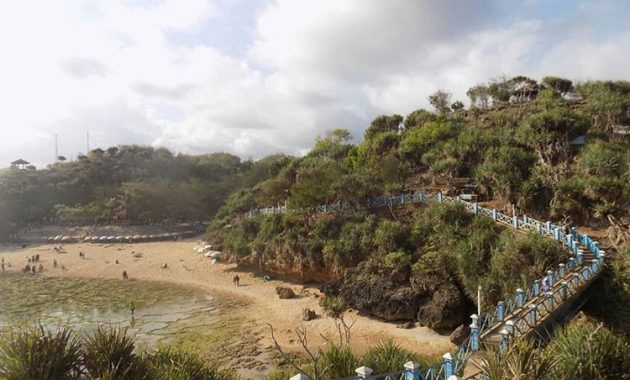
x=253 y=77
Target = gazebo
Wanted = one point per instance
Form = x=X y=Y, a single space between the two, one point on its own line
x=20 y=164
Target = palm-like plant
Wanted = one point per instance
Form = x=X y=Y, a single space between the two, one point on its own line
x=109 y=353
x=39 y=353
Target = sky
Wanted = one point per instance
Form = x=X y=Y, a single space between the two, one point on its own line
x=256 y=77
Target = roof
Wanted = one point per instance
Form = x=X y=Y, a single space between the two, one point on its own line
x=20 y=162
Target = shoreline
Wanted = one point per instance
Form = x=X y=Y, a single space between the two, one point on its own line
x=252 y=305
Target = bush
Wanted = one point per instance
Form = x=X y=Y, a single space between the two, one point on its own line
x=176 y=364
x=39 y=353
x=388 y=356
x=109 y=352
x=336 y=362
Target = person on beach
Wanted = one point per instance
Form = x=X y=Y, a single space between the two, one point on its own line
x=54 y=263
x=41 y=268
x=125 y=275
x=237 y=280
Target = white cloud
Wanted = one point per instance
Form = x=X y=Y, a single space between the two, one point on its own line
x=109 y=67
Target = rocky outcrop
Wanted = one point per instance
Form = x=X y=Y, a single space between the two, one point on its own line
x=459 y=335
x=284 y=292
x=392 y=296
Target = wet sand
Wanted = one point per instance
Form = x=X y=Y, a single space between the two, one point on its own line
x=254 y=304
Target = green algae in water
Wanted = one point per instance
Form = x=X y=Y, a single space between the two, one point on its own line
x=162 y=312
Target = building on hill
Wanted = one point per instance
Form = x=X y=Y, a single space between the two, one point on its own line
x=20 y=164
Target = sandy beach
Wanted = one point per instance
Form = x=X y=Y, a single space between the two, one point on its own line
x=260 y=305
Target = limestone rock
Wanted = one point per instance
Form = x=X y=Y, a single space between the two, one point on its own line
x=459 y=335
x=308 y=314
x=284 y=292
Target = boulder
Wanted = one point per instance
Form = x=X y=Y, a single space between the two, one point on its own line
x=459 y=335
x=445 y=310
x=308 y=314
x=284 y=292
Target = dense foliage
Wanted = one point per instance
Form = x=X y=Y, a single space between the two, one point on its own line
x=127 y=184
x=107 y=354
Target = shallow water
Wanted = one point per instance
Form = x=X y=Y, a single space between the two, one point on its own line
x=162 y=312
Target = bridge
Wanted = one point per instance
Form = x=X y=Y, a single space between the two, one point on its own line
x=526 y=312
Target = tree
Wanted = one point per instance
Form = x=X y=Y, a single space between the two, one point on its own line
x=61 y=158
x=382 y=124
x=457 y=106
x=441 y=100
x=479 y=96
x=561 y=85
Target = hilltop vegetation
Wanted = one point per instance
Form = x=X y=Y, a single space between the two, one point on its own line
x=547 y=149
x=126 y=185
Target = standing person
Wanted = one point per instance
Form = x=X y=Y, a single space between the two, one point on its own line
x=54 y=263
x=237 y=280
x=125 y=275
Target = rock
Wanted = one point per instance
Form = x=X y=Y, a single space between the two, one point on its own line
x=308 y=314
x=459 y=335
x=445 y=310
x=284 y=292
x=406 y=325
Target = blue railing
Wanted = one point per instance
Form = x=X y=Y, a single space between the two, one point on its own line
x=522 y=319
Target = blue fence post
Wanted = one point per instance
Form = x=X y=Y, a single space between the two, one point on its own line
x=576 y=280
x=449 y=369
x=503 y=345
x=539 y=228
x=439 y=197
x=587 y=273
x=595 y=265
x=422 y=196
x=515 y=222
x=532 y=315
x=602 y=256
x=575 y=247
x=365 y=373
x=476 y=208
x=564 y=290
x=536 y=288
x=549 y=299
x=562 y=270
x=580 y=257
x=300 y=376
x=556 y=233
x=509 y=325
x=494 y=215
x=571 y=263
x=520 y=297
x=412 y=371
x=550 y=278
x=500 y=311
x=525 y=219
x=548 y=226
x=474 y=336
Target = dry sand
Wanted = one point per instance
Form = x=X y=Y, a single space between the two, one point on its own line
x=185 y=267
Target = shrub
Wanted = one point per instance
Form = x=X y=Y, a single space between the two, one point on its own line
x=39 y=353
x=387 y=356
x=109 y=353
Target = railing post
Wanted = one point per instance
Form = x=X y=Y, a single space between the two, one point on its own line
x=576 y=280
x=602 y=256
x=548 y=226
x=500 y=311
x=562 y=270
x=575 y=248
x=580 y=257
x=494 y=214
x=474 y=336
x=556 y=233
x=300 y=376
x=570 y=240
x=550 y=278
x=476 y=208
x=549 y=300
x=412 y=371
x=525 y=219
x=509 y=325
x=539 y=228
x=536 y=288
x=595 y=265
x=449 y=369
x=439 y=197
x=515 y=222
x=505 y=336
x=532 y=315
x=365 y=373
x=475 y=319
x=564 y=290
x=571 y=264
x=520 y=297
x=587 y=273
x=421 y=196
